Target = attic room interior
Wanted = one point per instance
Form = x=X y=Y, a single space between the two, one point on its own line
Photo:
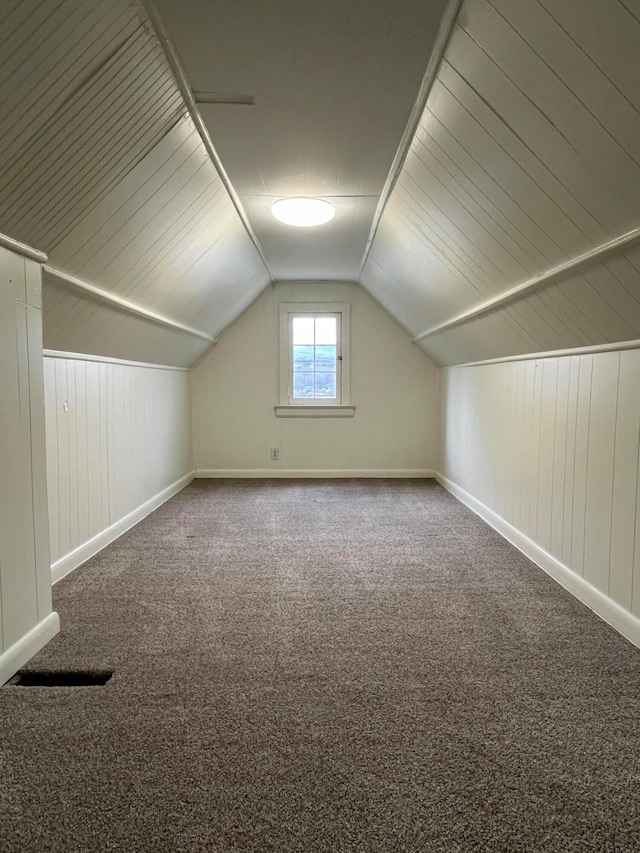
x=320 y=535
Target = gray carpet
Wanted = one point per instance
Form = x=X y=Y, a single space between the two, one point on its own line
x=323 y=666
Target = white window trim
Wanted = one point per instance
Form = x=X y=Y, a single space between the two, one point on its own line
x=318 y=408
x=298 y=411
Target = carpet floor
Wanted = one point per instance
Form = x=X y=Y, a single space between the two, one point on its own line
x=322 y=666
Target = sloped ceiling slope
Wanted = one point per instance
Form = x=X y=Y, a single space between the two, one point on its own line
x=333 y=84
x=102 y=168
x=526 y=157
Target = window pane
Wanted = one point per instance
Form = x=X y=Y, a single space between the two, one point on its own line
x=325 y=330
x=303 y=330
x=326 y=385
x=325 y=358
x=302 y=385
x=303 y=358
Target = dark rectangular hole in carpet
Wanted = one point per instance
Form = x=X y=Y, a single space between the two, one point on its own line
x=60 y=679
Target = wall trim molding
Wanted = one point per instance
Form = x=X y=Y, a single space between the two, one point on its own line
x=312 y=473
x=27 y=646
x=596 y=255
x=314 y=411
x=122 y=304
x=103 y=359
x=608 y=610
x=66 y=564
x=558 y=353
x=22 y=249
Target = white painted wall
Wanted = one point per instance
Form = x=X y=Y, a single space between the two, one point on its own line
x=26 y=619
x=123 y=447
x=393 y=387
x=548 y=450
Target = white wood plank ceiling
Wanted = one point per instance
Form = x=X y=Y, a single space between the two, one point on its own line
x=102 y=168
x=334 y=84
x=527 y=156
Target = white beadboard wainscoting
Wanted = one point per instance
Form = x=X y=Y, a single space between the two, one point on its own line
x=393 y=390
x=547 y=451
x=27 y=621
x=118 y=445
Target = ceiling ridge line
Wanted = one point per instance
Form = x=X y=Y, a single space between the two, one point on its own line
x=539 y=281
x=180 y=75
x=120 y=302
x=445 y=31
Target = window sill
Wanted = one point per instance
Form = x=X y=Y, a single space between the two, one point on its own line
x=314 y=411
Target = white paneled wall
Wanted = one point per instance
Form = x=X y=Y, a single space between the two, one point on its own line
x=26 y=619
x=551 y=447
x=393 y=388
x=118 y=444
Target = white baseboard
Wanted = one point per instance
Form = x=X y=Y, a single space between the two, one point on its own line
x=624 y=622
x=312 y=473
x=81 y=554
x=26 y=647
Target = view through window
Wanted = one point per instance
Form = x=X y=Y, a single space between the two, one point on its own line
x=315 y=357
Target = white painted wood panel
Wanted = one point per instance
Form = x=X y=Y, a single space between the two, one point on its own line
x=110 y=177
x=75 y=322
x=124 y=438
x=37 y=449
x=334 y=84
x=559 y=470
x=17 y=560
x=581 y=461
x=569 y=428
x=548 y=371
x=550 y=114
x=624 y=507
x=25 y=580
x=570 y=460
x=600 y=462
x=525 y=157
x=393 y=387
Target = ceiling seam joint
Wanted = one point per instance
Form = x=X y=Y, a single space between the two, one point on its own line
x=179 y=73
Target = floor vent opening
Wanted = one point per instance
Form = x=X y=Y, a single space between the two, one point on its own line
x=60 y=679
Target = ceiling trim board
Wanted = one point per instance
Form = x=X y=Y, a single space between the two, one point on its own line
x=543 y=280
x=619 y=346
x=445 y=30
x=120 y=302
x=22 y=249
x=222 y=98
x=179 y=73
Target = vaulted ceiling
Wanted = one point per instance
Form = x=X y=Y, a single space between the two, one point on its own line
x=483 y=158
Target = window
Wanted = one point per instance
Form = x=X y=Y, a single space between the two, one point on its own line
x=315 y=357
x=314 y=360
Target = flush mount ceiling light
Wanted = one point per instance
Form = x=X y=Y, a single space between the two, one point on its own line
x=303 y=212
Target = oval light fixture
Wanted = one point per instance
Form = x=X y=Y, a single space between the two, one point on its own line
x=303 y=212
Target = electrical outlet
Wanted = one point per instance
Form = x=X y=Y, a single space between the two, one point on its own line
x=275 y=453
